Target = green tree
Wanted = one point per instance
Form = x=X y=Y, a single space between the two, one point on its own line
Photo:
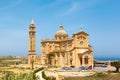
x=47 y=78
x=117 y=65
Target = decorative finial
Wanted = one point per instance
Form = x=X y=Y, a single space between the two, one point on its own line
x=32 y=22
x=81 y=29
x=61 y=27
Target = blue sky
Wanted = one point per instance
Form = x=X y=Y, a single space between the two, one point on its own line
x=99 y=18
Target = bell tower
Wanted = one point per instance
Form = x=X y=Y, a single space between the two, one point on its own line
x=32 y=43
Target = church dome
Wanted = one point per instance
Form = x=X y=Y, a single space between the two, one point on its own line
x=61 y=32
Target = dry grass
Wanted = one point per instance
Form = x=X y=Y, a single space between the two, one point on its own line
x=4 y=70
x=15 y=70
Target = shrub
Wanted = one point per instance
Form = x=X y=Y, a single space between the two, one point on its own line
x=43 y=75
x=99 y=74
x=47 y=78
x=117 y=65
x=37 y=70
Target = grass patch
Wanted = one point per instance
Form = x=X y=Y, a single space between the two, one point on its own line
x=21 y=76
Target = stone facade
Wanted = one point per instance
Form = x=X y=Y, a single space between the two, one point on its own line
x=62 y=50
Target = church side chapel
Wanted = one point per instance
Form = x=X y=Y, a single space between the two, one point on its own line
x=62 y=50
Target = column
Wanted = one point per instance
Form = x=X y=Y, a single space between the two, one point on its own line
x=55 y=59
x=68 y=59
x=60 y=59
x=77 y=60
x=83 y=62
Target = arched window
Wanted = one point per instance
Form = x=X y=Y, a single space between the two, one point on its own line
x=55 y=47
x=59 y=38
x=50 y=47
x=58 y=54
x=63 y=55
x=70 y=54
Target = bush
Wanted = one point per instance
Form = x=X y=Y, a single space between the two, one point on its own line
x=47 y=78
x=37 y=70
x=117 y=65
x=43 y=75
x=99 y=74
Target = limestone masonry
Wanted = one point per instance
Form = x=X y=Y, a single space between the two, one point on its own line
x=62 y=50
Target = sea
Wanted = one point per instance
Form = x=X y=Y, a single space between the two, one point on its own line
x=107 y=58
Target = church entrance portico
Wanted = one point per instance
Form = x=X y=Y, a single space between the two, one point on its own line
x=84 y=59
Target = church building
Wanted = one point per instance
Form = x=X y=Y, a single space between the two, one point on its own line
x=62 y=50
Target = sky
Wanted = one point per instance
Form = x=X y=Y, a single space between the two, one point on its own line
x=99 y=18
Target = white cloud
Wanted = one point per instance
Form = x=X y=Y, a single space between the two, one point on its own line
x=73 y=8
x=78 y=6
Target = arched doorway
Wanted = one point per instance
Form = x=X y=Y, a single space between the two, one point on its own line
x=86 y=59
x=80 y=59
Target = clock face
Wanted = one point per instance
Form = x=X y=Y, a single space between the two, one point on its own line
x=81 y=42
